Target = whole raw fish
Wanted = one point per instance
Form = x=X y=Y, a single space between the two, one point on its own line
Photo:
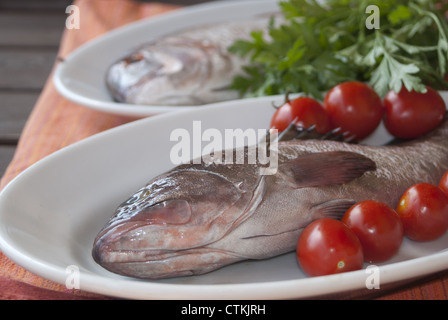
x=192 y=67
x=200 y=217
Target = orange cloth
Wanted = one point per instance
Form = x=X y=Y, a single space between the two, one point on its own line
x=56 y=122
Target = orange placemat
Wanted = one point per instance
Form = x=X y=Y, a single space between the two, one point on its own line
x=56 y=122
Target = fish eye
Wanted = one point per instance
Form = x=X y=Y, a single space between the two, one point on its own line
x=239 y=185
x=139 y=196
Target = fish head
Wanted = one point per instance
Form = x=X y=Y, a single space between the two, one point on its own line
x=175 y=71
x=164 y=229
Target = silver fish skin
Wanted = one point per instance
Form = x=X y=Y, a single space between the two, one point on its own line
x=197 y=218
x=192 y=67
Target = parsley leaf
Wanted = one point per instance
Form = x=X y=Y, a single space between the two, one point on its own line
x=320 y=44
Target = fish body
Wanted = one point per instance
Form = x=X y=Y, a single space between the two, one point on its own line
x=192 y=67
x=197 y=218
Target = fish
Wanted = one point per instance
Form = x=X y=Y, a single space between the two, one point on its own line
x=192 y=67
x=201 y=216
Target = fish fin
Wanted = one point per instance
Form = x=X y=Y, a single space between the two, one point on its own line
x=326 y=168
x=334 y=209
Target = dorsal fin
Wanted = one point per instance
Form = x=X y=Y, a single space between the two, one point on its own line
x=326 y=168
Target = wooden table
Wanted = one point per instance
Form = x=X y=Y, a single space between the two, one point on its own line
x=30 y=33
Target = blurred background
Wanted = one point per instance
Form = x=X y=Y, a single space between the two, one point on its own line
x=30 y=32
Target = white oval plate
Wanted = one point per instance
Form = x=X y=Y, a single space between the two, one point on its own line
x=81 y=76
x=51 y=213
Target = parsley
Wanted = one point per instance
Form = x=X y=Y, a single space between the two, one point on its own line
x=320 y=44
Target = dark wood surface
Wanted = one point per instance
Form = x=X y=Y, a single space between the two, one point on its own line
x=30 y=32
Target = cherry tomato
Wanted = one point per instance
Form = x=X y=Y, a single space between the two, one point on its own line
x=327 y=246
x=354 y=107
x=443 y=184
x=378 y=227
x=423 y=209
x=409 y=115
x=306 y=111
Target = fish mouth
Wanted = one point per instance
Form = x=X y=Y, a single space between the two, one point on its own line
x=174 y=237
x=159 y=242
x=137 y=247
x=160 y=264
x=144 y=229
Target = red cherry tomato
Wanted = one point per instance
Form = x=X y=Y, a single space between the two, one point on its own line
x=378 y=227
x=354 y=107
x=409 y=115
x=443 y=184
x=327 y=246
x=423 y=209
x=306 y=111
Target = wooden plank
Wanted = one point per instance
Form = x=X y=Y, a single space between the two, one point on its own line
x=6 y=154
x=62 y=4
x=25 y=69
x=179 y=2
x=31 y=29
x=34 y=4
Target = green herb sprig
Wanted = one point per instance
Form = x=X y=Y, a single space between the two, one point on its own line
x=322 y=43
